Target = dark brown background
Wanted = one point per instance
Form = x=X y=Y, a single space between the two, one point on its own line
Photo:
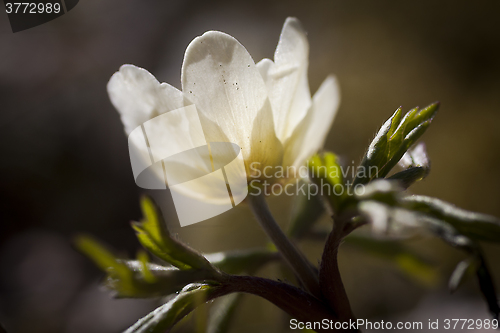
x=65 y=167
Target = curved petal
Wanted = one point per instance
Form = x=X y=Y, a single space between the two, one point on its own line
x=310 y=134
x=286 y=78
x=221 y=79
x=264 y=66
x=170 y=128
x=138 y=96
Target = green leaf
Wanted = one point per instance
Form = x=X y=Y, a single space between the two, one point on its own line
x=381 y=190
x=474 y=225
x=376 y=155
x=410 y=139
x=143 y=259
x=409 y=176
x=242 y=261
x=415 y=157
x=395 y=121
x=165 y=280
x=417 y=117
x=166 y=316
x=453 y=237
x=153 y=234
x=465 y=269
x=306 y=211
x=417 y=166
x=107 y=262
x=488 y=289
x=324 y=169
x=457 y=227
x=138 y=279
x=222 y=313
x=392 y=141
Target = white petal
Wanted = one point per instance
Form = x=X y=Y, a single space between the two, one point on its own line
x=264 y=66
x=220 y=78
x=138 y=96
x=310 y=134
x=174 y=132
x=286 y=79
x=194 y=167
x=140 y=99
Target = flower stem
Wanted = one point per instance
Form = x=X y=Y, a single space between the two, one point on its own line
x=295 y=259
x=330 y=280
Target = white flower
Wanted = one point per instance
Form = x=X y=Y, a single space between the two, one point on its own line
x=265 y=108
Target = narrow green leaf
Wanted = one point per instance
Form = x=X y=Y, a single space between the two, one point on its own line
x=138 y=279
x=103 y=258
x=465 y=269
x=381 y=190
x=488 y=289
x=395 y=138
x=161 y=250
x=153 y=234
x=408 y=177
x=222 y=312
x=415 y=157
x=376 y=155
x=420 y=116
x=408 y=141
x=395 y=121
x=474 y=225
x=453 y=237
x=152 y=219
x=166 y=316
x=457 y=227
x=324 y=169
x=403 y=124
x=417 y=166
x=143 y=259
x=391 y=142
x=164 y=281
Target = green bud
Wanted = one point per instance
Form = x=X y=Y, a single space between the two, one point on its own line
x=393 y=140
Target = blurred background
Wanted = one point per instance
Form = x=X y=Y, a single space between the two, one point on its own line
x=65 y=167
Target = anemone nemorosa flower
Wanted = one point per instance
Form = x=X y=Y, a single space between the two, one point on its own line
x=265 y=108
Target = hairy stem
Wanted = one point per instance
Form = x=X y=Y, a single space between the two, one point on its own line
x=295 y=259
x=330 y=280
x=299 y=304
x=294 y=301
